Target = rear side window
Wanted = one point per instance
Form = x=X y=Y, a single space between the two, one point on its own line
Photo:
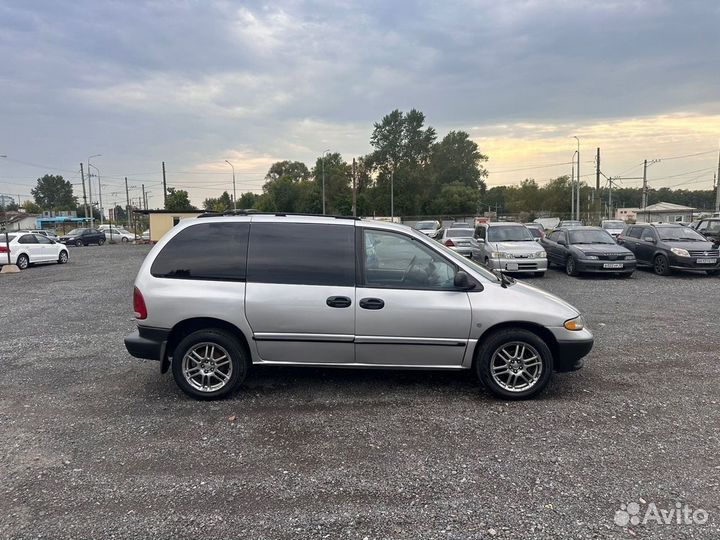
x=635 y=232
x=28 y=239
x=302 y=254
x=210 y=251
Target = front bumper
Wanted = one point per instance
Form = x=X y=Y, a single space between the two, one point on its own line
x=147 y=342
x=518 y=265
x=591 y=265
x=691 y=263
x=572 y=346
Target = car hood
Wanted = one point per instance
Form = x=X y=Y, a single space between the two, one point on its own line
x=517 y=247
x=690 y=246
x=541 y=301
x=601 y=248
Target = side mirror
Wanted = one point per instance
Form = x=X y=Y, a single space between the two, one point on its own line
x=462 y=281
x=562 y=242
x=649 y=239
x=481 y=240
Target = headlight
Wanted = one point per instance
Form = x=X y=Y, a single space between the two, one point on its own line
x=502 y=255
x=540 y=255
x=629 y=257
x=592 y=257
x=680 y=252
x=578 y=323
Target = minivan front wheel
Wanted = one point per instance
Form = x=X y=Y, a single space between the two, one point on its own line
x=209 y=364
x=514 y=364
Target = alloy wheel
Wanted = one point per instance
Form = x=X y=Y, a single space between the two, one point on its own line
x=516 y=366
x=207 y=367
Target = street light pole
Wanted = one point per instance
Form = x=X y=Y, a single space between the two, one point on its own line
x=234 y=193
x=323 y=180
x=572 y=187
x=102 y=211
x=577 y=190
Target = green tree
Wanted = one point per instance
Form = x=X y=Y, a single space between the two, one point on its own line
x=294 y=170
x=457 y=198
x=457 y=159
x=338 y=180
x=120 y=214
x=178 y=200
x=53 y=192
x=31 y=207
x=247 y=200
x=222 y=203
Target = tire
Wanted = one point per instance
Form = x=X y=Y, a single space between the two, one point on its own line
x=23 y=261
x=79 y=243
x=101 y=242
x=661 y=265
x=571 y=267
x=63 y=257
x=124 y=240
x=210 y=347
x=524 y=344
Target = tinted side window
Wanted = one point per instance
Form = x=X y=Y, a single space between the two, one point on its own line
x=302 y=254
x=634 y=232
x=42 y=239
x=213 y=251
x=27 y=239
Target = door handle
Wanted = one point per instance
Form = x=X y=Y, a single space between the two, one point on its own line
x=372 y=303
x=338 y=301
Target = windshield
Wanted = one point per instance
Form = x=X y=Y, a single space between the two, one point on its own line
x=613 y=225
x=509 y=233
x=75 y=232
x=590 y=237
x=459 y=233
x=425 y=225
x=684 y=234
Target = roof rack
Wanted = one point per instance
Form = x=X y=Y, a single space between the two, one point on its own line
x=279 y=214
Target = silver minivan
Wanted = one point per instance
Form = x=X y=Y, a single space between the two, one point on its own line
x=218 y=295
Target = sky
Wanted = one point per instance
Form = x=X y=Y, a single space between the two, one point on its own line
x=197 y=82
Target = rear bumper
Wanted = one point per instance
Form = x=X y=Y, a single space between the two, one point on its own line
x=147 y=342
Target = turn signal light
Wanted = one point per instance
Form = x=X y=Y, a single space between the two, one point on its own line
x=574 y=324
x=139 y=304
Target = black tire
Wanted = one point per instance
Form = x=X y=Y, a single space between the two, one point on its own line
x=124 y=240
x=23 y=261
x=571 y=266
x=101 y=242
x=63 y=257
x=238 y=357
x=79 y=243
x=661 y=265
x=486 y=358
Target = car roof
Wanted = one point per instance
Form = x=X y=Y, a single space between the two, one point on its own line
x=580 y=228
x=498 y=223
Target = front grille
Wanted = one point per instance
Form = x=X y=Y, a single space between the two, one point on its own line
x=708 y=253
x=609 y=256
x=527 y=266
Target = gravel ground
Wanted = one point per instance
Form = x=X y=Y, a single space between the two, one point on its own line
x=97 y=444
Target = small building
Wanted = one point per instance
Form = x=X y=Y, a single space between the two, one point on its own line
x=161 y=221
x=665 y=212
x=626 y=214
x=18 y=221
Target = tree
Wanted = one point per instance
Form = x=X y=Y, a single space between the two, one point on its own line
x=294 y=170
x=31 y=208
x=457 y=199
x=288 y=189
x=219 y=204
x=247 y=200
x=54 y=193
x=338 y=179
x=119 y=214
x=457 y=159
x=178 y=200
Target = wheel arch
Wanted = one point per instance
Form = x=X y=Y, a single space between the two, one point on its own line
x=537 y=329
x=188 y=326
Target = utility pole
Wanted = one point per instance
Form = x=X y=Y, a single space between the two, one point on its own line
x=165 y=185
x=572 y=191
x=392 y=194
x=644 y=189
x=597 y=171
x=144 y=201
x=577 y=189
x=102 y=211
x=717 y=187
x=82 y=175
x=354 y=193
x=323 y=179
x=127 y=208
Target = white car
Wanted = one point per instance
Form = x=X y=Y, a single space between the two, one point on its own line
x=30 y=248
x=115 y=235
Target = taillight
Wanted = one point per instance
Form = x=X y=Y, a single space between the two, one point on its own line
x=449 y=243
x=3 y=249
x=139 y=304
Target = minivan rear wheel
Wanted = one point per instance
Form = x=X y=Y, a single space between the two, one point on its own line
x=209 y=364
x=514 y=363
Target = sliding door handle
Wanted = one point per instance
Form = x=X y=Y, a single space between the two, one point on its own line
x=372 y=303
x=338 y=301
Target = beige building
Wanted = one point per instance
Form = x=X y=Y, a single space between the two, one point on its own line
x=666 y=212
x=161 y=221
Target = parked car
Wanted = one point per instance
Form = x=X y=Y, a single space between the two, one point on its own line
x=83 y=237
x=587 y=249
x=710 y=229
x=429 y=228
x=614 y=227
x=666 y=247
x=460 y=225
x=569 y=223
x=537 y=230
x=30 y=248
x=114 y=235
x=145 y=235
x=508 y=247
x=361 y=294
x=459 y=240
x=44 y=232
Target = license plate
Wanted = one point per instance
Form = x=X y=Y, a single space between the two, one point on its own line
x=511 y=266
x=707 y=261
x=613 y=265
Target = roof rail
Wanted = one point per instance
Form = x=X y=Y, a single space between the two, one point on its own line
x=279 y=214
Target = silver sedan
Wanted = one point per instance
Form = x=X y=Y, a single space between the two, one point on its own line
x=458 y=240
